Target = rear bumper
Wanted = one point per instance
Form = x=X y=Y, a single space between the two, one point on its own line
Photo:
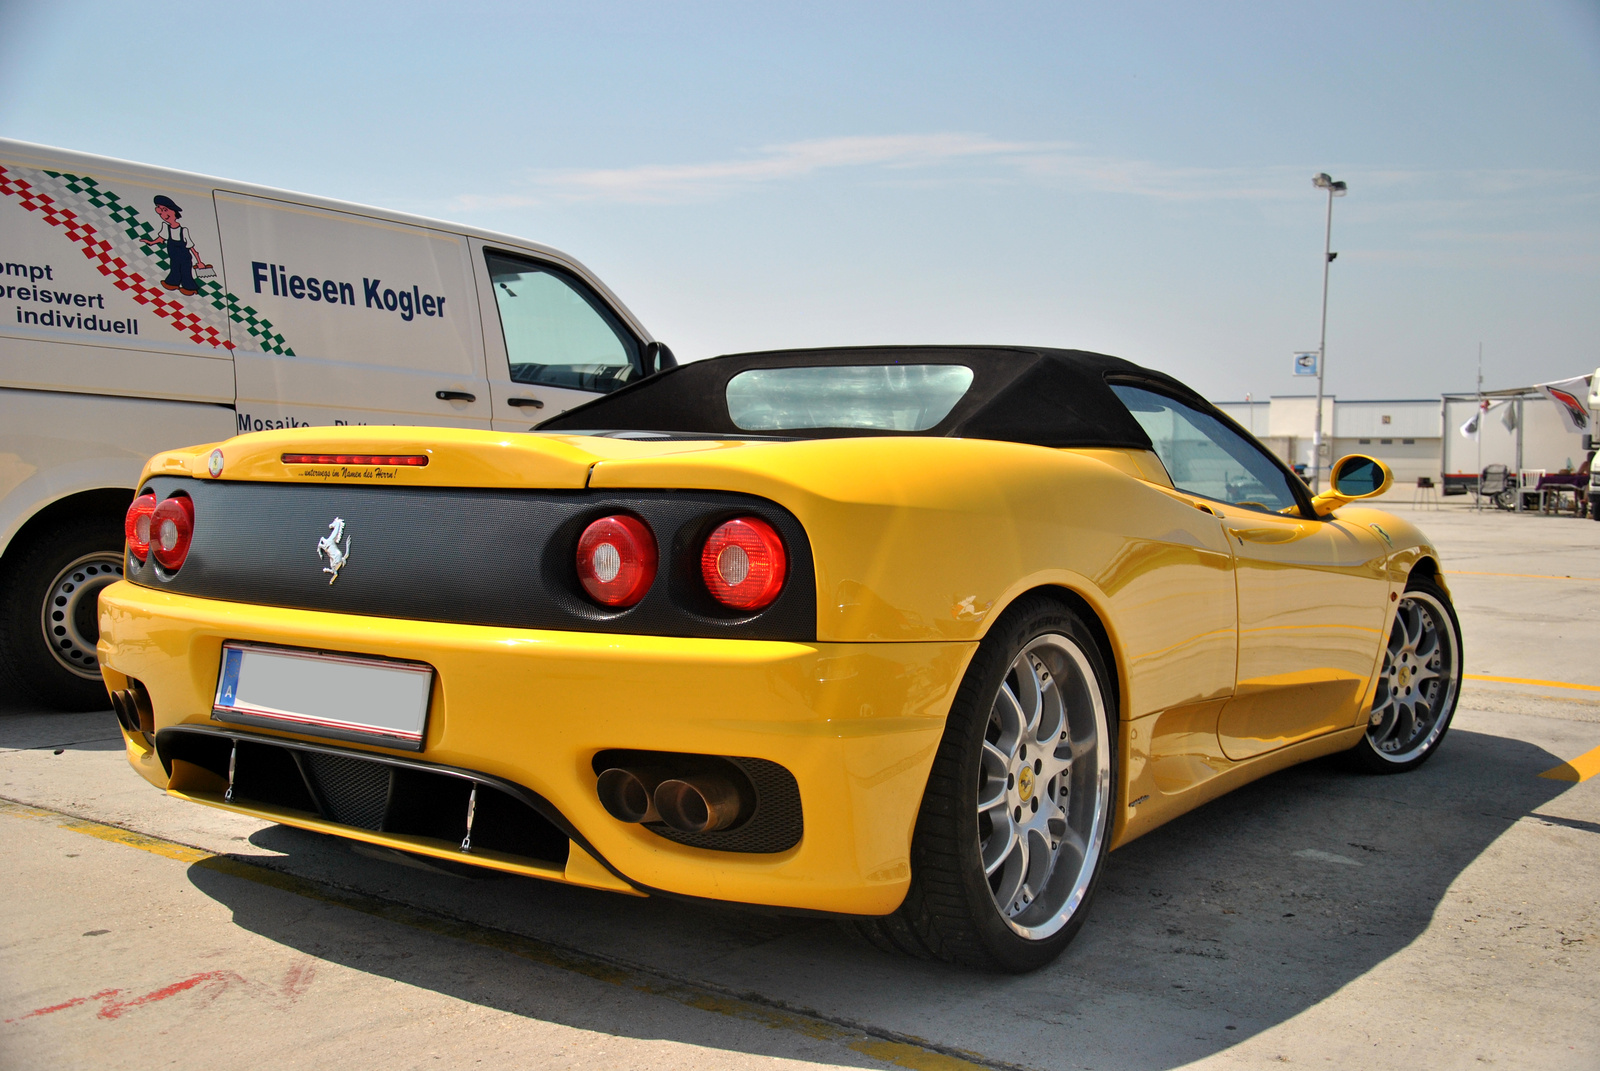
x=856 y=724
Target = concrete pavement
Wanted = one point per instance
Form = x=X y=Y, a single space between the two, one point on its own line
x=1448 y=918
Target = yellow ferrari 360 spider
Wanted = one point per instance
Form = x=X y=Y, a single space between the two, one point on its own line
x=910 y=636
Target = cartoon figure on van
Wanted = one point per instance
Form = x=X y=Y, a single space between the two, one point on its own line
x=183 y=257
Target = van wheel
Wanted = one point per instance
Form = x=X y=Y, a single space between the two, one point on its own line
x=49 y=617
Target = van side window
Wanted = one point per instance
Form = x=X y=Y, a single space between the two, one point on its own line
x=1205 y=457
x=558 y=333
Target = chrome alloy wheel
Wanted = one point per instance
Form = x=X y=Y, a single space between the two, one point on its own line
x=1417 y=685
x=70 y=615
x=1044 y=786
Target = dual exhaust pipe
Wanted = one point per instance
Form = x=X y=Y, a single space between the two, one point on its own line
x=687 y=802
x=132 y=707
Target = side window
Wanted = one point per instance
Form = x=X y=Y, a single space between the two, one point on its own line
x=1205 y=457
x=558 y=333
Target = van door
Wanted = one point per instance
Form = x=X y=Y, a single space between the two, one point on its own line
x=353 y=319
x=552 y=341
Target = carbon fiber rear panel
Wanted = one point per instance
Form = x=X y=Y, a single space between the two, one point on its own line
x=469 y=556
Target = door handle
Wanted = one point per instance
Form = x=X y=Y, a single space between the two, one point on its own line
x=522 y=403
x=454 y=396
x=1265 y=535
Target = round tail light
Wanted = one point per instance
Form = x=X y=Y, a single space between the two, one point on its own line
x=744 y=564
x=617 y=560
x=171 y=529
x=137 y=525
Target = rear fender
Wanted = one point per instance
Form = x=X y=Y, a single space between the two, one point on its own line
x=932 y=539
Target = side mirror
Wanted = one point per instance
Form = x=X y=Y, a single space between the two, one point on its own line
x=1354 y=476
x=656 y=357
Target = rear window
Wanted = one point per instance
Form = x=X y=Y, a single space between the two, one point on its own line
x=880 y=397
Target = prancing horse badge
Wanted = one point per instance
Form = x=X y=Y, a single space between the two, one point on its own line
x=328 y=547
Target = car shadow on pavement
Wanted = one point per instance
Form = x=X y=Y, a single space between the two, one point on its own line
x=1212 y=929
x=25 y=728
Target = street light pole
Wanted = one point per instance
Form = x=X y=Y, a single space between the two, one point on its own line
x=1323 y=181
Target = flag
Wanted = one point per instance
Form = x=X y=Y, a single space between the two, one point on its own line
x=1571 y=398
x=1509 y=417
x=1469 y=430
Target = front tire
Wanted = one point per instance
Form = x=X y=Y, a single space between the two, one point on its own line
x=49 y=617
x=1015 y=824
x=1418 y=684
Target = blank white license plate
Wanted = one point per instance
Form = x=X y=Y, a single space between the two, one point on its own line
x=345 y=697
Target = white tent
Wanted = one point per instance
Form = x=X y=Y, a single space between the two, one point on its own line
x=1523 y=428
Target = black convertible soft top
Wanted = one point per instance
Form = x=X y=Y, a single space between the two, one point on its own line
x=1046 y=397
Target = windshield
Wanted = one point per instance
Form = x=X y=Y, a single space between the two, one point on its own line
x=885 y=397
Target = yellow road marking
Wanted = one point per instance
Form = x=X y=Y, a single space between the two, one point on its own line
x=897 y=1049
x=1525 y=576
x=126 y=837
x=1581 y=768
x=1530 y=680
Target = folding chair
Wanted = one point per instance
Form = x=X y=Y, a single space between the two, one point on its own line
x=1494 y=483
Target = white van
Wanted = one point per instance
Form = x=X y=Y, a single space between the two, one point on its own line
x=143 y=309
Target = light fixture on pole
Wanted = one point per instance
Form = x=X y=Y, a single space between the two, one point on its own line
x=1323 y=181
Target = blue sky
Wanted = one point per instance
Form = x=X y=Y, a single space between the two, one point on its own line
x=1133 y=178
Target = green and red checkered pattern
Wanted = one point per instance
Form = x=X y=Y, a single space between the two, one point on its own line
x=109 y=233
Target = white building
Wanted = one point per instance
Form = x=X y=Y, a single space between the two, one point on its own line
x=1403 y=433
x=1418 y=437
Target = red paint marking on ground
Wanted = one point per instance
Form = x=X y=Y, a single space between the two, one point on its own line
x=111 y=1008
x=104 y=994
x=298 y=979
x=219 y=980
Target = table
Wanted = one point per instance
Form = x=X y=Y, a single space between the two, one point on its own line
x=1553 y=486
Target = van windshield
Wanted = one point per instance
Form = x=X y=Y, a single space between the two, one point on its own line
x=558 y=333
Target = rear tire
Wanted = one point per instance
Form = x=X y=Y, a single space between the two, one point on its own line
x=1419 y=683
x=1015 y=823
x=49 y=619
